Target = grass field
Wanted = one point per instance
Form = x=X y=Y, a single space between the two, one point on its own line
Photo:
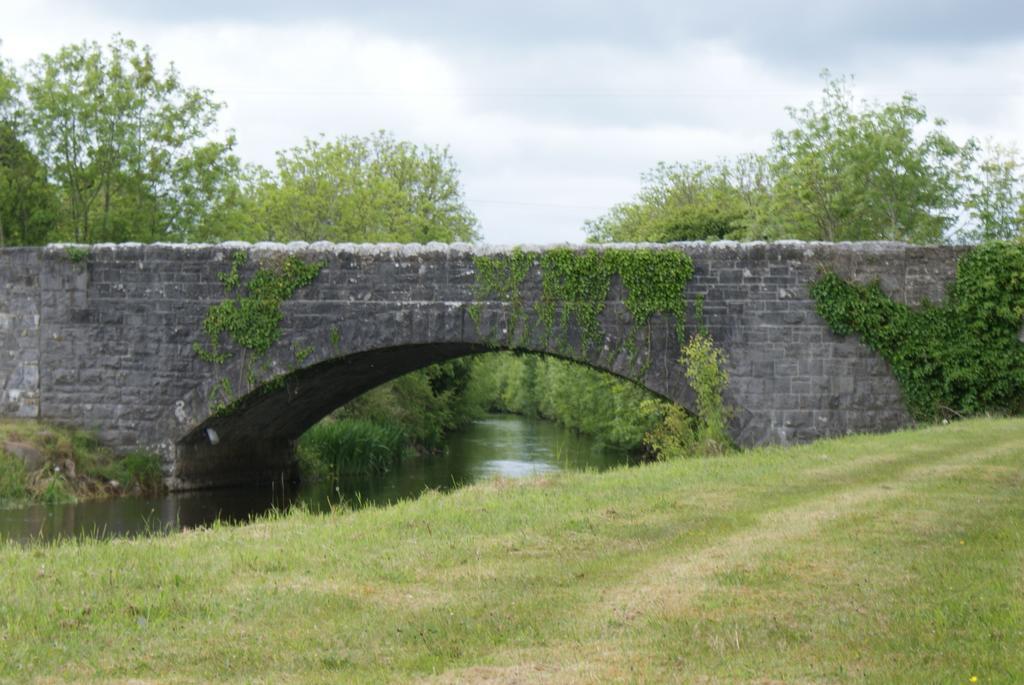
x=884 y=559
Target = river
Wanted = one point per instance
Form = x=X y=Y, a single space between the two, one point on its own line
x=497 y=446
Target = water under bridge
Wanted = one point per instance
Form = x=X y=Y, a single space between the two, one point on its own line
x=117 y=338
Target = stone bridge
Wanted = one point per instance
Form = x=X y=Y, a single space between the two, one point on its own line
x=106 y=337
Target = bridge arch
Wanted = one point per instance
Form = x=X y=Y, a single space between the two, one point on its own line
x=253 y=436
x=105 y=336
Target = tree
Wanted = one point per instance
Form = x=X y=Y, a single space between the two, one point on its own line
x=880 y=172
x=131 y=148
x=995 y=201
x=696 y=201
x=584 y=399
x=27 y=201
x=9 y=89
x=362 y=189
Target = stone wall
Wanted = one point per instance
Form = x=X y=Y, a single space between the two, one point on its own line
x=105 y=340
x=19 y=331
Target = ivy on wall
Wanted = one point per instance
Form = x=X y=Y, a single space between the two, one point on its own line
x=574 y=288
x=962 y=357
x=250 y=318
x=575 y=285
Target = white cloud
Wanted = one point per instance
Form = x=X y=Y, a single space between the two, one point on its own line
x=978 y=91
x=284 y=84
x=550 y=131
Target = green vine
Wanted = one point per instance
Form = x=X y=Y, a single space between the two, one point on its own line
x=221 y=397
x=301 y=353
x=962 y=357
x=251 y=316
x=698 y=315
x=575 y=285
x=502 y=277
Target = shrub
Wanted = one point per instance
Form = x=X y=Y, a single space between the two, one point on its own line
x=679 y=434
x=705 y=369
x=673 y=436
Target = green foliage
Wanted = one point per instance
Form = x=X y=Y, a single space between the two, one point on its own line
x=130 y=148
x=996 y=197
x=697 y=201
x=505 y=382
x=502 y=277
x=10 y=88
x=654 y=281
x=705 y=370
x=28 y=201
x=76 y=254
x=334 y=448
x=301 y=353
x=584 y=399
x=55 y=490
x=74 y=464
x=138 y=470
x=842 y=171
x=676 y=433
x=221 y=397
x=360 y=189
x=411 y=414
x=868 y=174
x=576 y=284
x=251 y=316
x=13 y=478
x=426 y=404
x=962 y=357
x=673 y=435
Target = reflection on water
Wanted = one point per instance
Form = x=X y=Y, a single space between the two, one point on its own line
x=506 y=446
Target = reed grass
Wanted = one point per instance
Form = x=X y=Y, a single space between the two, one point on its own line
x=335 y=448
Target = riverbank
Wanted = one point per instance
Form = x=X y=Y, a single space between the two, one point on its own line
x=505 y=446
x=892 y=558
x=43 y=462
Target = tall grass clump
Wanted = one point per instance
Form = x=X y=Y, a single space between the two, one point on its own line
x=138 y=470
x=12 y=478
x=335 y=448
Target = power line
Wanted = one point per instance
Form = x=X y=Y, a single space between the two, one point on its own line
x=501 y=93
x=547 y=205
x=597 y=94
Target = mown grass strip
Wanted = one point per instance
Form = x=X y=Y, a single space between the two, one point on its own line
x=839 y=561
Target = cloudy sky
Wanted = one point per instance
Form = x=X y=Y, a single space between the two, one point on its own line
x=554 y=109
